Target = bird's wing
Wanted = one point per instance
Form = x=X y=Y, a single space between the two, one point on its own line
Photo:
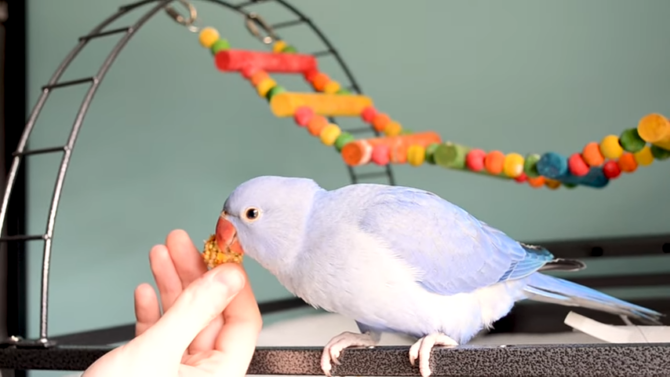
x=450 y=250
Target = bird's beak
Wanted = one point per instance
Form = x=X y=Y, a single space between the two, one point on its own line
x=226 y=236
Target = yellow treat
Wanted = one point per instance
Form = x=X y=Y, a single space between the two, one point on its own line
x=208 y=36
x=278 y=46
x=329 y=134
x=331 y=87
x=610 y=147
x=513 y=165
x=392 y=128
x=416 y=155
x=213 y=256
x=644 y=156
x=264 y=86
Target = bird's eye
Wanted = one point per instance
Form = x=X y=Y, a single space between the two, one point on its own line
x=251 y=214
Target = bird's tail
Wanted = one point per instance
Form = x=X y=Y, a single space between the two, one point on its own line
x=558 y=291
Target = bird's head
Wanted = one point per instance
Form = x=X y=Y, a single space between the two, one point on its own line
x=266 y=217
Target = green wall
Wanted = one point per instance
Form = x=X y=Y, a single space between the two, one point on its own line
x=168 y=136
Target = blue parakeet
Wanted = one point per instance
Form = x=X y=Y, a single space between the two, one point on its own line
x=395 y=259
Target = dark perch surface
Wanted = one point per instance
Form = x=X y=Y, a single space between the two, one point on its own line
x=572 y=360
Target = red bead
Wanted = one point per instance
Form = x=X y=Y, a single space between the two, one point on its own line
x=611 y=169
x=249 y=71
x=303 y=115
x=474 y=160
x=577 y=165
x=521 y=178
x=380 y=155
x=368 y=114
x=310 y=74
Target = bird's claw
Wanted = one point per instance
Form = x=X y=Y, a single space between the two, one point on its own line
x=423 y=347
x=333 y=350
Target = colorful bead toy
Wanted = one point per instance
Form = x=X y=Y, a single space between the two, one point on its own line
x=594 y=166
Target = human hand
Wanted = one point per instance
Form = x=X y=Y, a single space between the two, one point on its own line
x=210 y=322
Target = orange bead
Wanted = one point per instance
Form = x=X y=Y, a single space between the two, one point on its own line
x=536 y=181
x=258 y=77
x=627 y=162
x=316 y=125
x=320 y=81
x=494 y=162
x=380 y=121
x=392 y=129
x=592 y=155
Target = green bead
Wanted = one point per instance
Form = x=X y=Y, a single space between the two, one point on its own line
x=569 y=185
x=220 y=45
x=343 y=91
x=430 y=153
x=289 y=50
x=406 y=132
x=451 y=155
x=342 y=140
x=273 y=91
x=530 y=165
x=631 y=141
x=659 y=153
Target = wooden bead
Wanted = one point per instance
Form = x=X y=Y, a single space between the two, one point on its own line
x=660 y=153
x=494 y=162
x=392 y=129
x=342 y=140
x=264 y=86
x=303 y=115
x=610 y=147
x=319 y=81
x=627 y=163
x=631 y=141
x=536 y=182
x=278 y=46
x=380 y=121
x=577 y=165
x=218 y=46
x=611 y=169
x=530 y=165
x=416 y=155
x=331 y=87
x=368 y=114
x=644 y=157
x=380 y=154
x=552 y=165
x=592 y=155
x=475 y=159
x=316 y=125
x=513 y=165
x=208 y=36
x=329 y=134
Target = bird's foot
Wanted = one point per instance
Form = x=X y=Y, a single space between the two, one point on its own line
x=332 y=350
x=422 y=350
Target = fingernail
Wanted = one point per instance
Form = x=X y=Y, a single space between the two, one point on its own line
x=233 y=279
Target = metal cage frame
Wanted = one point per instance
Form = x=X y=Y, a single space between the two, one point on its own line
x=46 y=352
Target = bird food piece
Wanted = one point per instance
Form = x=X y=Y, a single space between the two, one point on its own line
x=213 y=256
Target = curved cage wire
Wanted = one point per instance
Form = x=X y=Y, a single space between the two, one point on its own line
x=253 y=21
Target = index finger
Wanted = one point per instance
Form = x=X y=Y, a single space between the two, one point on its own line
x=242 y=323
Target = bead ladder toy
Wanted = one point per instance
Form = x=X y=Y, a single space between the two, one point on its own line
x=594 y=166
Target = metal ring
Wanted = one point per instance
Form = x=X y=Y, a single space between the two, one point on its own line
x=254 y=19
x=178 y=18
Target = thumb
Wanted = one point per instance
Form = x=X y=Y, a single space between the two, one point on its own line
x=194 y=309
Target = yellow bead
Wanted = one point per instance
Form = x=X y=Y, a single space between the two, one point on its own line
x=265 y=86
x=392 y=129
x=329 y=134
x=331 y=87
x=278 y=46
x=513 y=165
x=610 y=147
x=208 y=36
x=416 y=154
x=644 y=156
